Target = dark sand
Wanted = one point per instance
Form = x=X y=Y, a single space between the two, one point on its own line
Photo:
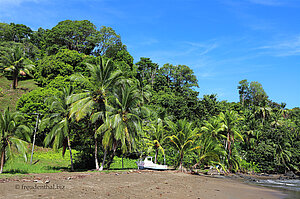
x=136 y=184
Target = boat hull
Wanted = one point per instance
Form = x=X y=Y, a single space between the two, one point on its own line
x=142 y=165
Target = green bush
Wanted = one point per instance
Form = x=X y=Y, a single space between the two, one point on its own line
x=249 y=166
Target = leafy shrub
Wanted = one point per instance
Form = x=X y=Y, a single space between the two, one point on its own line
x=249 y=166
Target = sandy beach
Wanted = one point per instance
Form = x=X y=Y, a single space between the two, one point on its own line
x=134 y=184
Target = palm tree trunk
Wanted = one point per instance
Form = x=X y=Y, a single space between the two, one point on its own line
x=33 y=142
x=113 y=155
x=156 y=153
x=15 y=80
x=181 y=160
x=69 y=145
x=2 y=160
x=229 y=151
x=104 y=157
x=96 y=154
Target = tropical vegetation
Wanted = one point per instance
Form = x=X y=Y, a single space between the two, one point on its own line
x=105 y=109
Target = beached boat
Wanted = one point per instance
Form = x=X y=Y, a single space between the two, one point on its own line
x=148 y=164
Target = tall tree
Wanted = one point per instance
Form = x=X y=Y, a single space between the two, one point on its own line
x=230 y=120
x=15 y=32
x=108 y=42
x=123 y=123
x=126 y=112
x=73 y=35
x=60 y=132
x=93 y=100
x=180 y=77
x=146 y=71
x=252 y=94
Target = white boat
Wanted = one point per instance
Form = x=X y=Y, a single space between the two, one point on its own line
x=148 y=164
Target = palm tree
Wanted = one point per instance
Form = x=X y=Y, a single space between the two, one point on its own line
x=184 y=135
x=10 y=133
x=282 y=154
x=122 y=123
x=213 y=128
x=210 y=151
x=157 y=136
x=93 y=100
x=229 y=120
x=60 y=132
x=251 y=129
x=125 y=113
x=15 y=63
x=108 y=137
x=209 y=147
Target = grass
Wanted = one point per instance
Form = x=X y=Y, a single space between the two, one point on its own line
x=45 y=160
x=127 y=163
x=10 y=96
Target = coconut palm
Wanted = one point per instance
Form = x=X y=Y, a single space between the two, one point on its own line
x=122 y=123
x=184 y=135
x=213 y=128
x=125 y=112
x=59 y=135
x=11 y=132
x=209 y=151
x=15 y=63
x=93 y=100
x=156 y=137
x=229 y=120
x=108 y=137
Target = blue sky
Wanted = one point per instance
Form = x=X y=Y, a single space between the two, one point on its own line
x=223 y=41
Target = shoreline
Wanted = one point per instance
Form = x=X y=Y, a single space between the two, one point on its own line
x=256 y=180
x=132 y=184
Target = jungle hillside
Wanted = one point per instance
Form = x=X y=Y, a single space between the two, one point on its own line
x=72 y=98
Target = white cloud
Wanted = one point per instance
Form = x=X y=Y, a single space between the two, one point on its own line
x=201 y=48
x=289 y=47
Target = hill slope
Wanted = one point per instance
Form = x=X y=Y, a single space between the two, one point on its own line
x=9 y=96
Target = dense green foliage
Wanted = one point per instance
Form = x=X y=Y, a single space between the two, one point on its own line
x=121 y=109
x=12 y=136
